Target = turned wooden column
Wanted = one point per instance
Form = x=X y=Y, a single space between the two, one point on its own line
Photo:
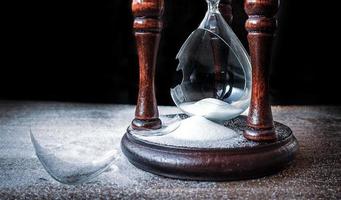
x=147 y=28
x=225 y=8
x=260 y=26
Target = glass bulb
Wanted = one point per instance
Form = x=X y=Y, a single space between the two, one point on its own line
x=216 y=69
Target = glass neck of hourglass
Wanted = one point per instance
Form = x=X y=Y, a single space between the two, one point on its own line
x=213 y=6
x=213 y=17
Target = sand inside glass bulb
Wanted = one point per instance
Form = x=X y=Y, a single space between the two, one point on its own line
x=216 y=71
x=73 y=155
x=211 y=108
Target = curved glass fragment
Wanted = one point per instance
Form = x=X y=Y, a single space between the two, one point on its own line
x=73 y=155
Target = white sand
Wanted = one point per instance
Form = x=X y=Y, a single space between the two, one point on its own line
x=198 y=132
x=201 y=129
x=210 y=108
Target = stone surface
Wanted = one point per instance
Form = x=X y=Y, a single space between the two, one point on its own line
x=316 y=173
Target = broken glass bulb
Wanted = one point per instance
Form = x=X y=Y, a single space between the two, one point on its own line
x=216 y=71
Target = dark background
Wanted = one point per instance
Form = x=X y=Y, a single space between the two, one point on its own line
x=85 y=51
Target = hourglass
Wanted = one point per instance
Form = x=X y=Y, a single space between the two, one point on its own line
x=211 y=140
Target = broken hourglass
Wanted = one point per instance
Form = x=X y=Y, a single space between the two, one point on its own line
x=216 y=71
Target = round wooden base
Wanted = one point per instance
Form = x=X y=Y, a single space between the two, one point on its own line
x=242 y=161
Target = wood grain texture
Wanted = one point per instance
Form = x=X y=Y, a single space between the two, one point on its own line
x=260 y=26
x=147 y=27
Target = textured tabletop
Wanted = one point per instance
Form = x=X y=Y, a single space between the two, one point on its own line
x=316 y=173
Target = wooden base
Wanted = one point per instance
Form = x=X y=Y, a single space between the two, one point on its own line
x=246 y=160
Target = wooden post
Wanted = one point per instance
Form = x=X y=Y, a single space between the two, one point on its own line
x=147 y=27
x=260 y=26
